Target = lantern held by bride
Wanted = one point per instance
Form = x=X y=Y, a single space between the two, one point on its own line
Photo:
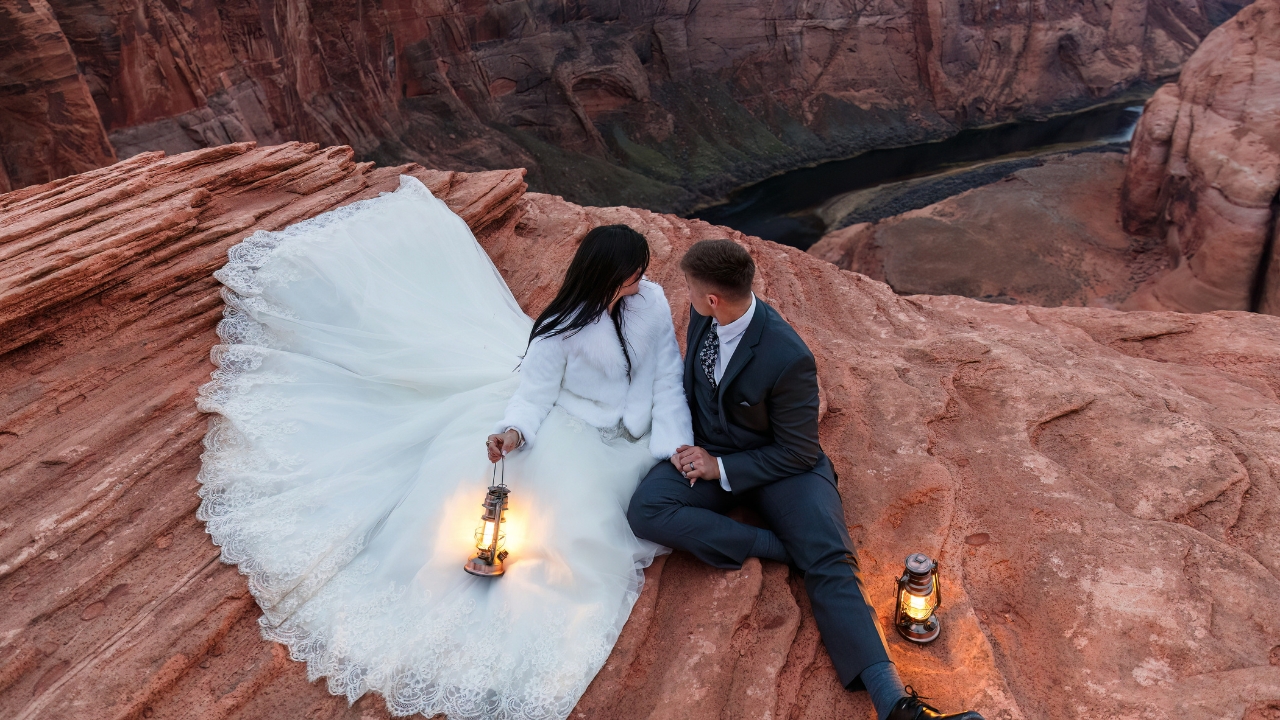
x=490 y=538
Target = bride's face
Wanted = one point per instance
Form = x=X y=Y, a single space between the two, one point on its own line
x=630 y=288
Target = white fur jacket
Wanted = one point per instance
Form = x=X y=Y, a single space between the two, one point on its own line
x=586 y=374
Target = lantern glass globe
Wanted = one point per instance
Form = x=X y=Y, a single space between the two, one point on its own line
x=486 y=535
x=918 y=607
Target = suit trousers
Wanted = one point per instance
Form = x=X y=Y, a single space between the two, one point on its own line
x=805 y=512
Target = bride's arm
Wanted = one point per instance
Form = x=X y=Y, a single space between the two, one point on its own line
x=672 y=424
x=541 y=374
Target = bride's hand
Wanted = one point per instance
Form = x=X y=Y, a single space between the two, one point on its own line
x=502 y=443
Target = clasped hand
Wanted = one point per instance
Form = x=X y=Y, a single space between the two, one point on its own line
x=695 y=464
x=502 y=443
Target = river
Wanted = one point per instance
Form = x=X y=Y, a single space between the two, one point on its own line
x=787 y=208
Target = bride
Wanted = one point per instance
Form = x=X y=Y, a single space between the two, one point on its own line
x=365 y=355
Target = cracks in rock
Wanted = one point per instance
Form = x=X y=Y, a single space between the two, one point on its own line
x=1037 y=427
x=119 y=641
x=91 y=584
x=1249 y=495
x=802 y=661
x=1141 y=338
x=950 y=406
x=1068 y=56
x=116 y=477
x=1004 y=663
x=836 y=47
x=1199 y=516
x=1257 y=290
x=763 y=633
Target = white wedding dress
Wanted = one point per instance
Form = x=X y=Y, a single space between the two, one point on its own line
x=366 y=354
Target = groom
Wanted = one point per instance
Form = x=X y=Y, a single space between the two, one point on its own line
x=753 y=391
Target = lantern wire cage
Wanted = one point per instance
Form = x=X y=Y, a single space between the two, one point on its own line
x=490 y=553
x=918 y=596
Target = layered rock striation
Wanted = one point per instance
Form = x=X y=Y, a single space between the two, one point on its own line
x=49 y=125
x=1204 y=172
x=1101 y=487
x=650 y=104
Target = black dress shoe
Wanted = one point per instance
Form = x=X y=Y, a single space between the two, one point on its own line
x=913 y=707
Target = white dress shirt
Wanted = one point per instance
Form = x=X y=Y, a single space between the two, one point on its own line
x=730 y=335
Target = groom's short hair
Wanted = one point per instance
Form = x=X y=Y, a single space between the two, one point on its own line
x=723 y=264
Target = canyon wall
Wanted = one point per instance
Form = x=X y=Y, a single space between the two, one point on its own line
x=657 y=103
x=1204 y=172
x=49 y=124
x=1187 y=222
x=1102 y=488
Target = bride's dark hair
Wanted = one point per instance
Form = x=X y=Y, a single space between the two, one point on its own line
x=606 y=259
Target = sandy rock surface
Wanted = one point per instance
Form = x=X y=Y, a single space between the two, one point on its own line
x=1101 y=487
x=1048 y=236
x=1204 y=172
x=648 y=104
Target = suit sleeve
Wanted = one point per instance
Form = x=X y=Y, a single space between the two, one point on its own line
x=541 y=375
x=793 y=415
x=672 y=423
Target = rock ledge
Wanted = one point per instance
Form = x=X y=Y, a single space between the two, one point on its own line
x=1101 y=487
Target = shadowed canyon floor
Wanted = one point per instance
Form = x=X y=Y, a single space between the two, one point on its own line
x=1047 y=235
x=1101 y=487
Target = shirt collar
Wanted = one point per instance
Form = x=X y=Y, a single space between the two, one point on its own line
x=739 y=326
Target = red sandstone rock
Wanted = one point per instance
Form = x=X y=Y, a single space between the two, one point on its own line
x=1120 y=468
x=606 y=102
x=49 y=126
x=1048 y=236
x=1204 y=172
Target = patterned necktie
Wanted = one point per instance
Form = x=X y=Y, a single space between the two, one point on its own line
x=709 y=354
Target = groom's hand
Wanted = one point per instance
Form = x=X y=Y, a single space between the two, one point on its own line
x=695 y=464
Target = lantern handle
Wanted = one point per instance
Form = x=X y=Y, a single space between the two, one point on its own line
x=897 y=598
x=937 y=581
x=503 y=462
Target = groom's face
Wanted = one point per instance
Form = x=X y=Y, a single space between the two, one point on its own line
x=701 y=297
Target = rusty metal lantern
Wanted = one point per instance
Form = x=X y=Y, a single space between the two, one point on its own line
x=919 y=597
x=490 y=553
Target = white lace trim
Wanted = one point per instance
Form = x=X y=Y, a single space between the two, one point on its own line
x=237 y=474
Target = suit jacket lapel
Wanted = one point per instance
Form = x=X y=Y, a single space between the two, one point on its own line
x=744 y=353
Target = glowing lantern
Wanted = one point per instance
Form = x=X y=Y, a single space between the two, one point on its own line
x=487 y=562
x=919 y=596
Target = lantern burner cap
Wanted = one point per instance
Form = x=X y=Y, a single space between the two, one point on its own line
x=920 y=564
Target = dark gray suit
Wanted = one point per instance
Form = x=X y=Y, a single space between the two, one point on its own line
x=762 y=422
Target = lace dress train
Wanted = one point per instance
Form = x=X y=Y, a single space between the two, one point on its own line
x=365 y=354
